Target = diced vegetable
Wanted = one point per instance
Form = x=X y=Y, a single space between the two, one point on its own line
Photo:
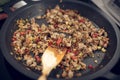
x=90 y=66
x=96 y=61
x=99 y=47
x=103 y=50
x=59 y=41
x=38 y=59
x=95 y=35
x=82 y=20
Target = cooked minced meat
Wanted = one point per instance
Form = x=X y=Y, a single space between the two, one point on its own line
x=64 y=29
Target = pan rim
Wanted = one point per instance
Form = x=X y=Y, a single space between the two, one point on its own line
x=94 y=75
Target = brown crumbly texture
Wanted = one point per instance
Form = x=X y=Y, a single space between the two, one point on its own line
x=64 y=29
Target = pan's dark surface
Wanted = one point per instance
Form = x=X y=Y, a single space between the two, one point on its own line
x=107 y=60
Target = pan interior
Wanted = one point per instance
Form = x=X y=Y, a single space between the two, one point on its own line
x=94 y=16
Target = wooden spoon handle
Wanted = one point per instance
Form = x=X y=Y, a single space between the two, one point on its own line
x=45 y=73
x=42 y=77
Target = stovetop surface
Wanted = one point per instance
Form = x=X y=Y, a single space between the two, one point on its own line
x=7 y=72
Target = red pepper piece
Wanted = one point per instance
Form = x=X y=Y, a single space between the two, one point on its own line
x=68 y=50
x=50 y=43
x=82 y=20
x=75 y=52
x=37 y=58
x=13 y=39
x=22 y=33
x=62 y=11
x=37 y=40
x=55 y=25
x=59 y=41
x=39 y=30
x=26 y=51
x=74 y=57
x=90 y=66
x=19 y=51
x=95 y=35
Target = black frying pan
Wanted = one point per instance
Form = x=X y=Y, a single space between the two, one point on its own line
x=107 y=60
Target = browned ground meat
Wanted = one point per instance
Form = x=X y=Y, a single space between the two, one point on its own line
x=64 y=29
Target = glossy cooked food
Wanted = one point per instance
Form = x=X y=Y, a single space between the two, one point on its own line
x=64 y=29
